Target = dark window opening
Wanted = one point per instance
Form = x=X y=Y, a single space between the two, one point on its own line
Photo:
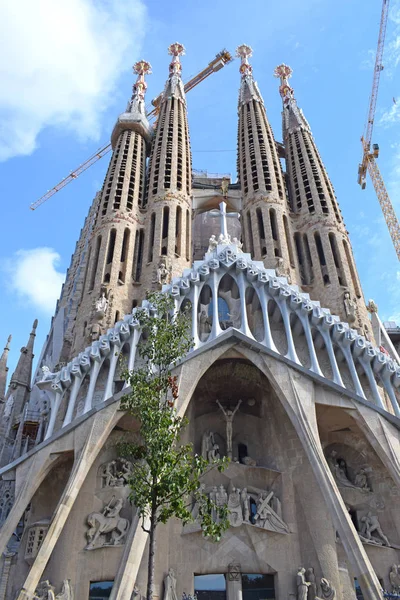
x=151 y=238
x=242 y=452
x=100 y=590
x=111 y=246
x=258 y=587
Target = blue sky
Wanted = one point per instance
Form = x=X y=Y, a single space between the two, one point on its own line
x=65 y=73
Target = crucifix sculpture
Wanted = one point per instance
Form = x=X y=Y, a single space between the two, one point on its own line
x=229 y=416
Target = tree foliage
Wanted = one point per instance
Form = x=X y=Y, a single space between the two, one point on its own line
x=166 y=472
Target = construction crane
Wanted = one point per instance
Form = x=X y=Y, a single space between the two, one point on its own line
x=368 y=159
x=221 y=59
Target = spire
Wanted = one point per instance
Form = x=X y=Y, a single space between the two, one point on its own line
x=248 y=87
x=134 y=118
x=140 y=68
x=21 y=378
x=293 y=118
x=4 y=369
x=174 y=86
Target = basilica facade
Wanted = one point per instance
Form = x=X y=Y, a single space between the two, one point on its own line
x=285 y=378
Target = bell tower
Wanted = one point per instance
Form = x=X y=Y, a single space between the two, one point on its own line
x=113 y=272
x=326 y=267
x=266 y=224
x=169 y=222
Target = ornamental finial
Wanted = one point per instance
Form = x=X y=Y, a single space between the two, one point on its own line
x=141 y=68
x=244 y=52
x=176 y=50
x=284 y=72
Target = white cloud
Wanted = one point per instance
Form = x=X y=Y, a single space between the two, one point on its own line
x=33 y=277
x=60 y=62
x=391 y=116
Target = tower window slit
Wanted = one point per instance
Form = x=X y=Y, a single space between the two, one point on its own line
x=95 y=263
x=151 y=238
x=336 y=259
x=261 y=232
x=250 y=230
x=188 y=224
x=139 y=255
x=288 y=240
x=274 y=227
x=321 y=256
x=178 y=230
x=164 y=234
x=300 y=257
x=308 y=259
x=353 y=273
x=111 y=246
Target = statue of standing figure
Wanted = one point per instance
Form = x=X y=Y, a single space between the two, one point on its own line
x=229 y=416
x=302 y=584
x=170 y=586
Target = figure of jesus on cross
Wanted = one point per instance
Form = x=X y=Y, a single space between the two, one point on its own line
x=229 y=416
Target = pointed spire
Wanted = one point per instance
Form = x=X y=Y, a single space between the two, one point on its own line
x=248 y=87
x=4 y=369
x=174 y=86
x=293 y=118
x=23 y=372
x=140 y=68
x=134 y=118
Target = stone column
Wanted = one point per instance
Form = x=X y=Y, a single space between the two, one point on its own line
x=234 y=582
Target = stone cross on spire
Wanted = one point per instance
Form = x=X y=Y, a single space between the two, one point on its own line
x=284 y=72
x=140 y=68
x=176 y=50
x=244 y=52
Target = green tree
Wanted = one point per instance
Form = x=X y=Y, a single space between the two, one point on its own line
x=166 y=472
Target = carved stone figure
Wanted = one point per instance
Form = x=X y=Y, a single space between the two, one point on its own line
x=107 y=522
x=116 y=473
x=339 y=468
x=95 y=330
x=370 y=525
x=302 y=584
x=372 y=307
x=101 y=304
x=361 y=480
x=163 y=274
x=222 y=496
x=235 y=509
x=229 y=416
x=281 y=270
x=394 y=577
x=224 y=240
x=244 y=497
x=213 y=497
x=328 y=592
x=238 y=244
x=350 y=307
x=205 y=323
x=266 y=517
x=47 y=375
x=225 y=186
x=46 y=591
x=312 y=588
x=212 y=244
x=9 y=406
x=170 y=586
x=209 y=447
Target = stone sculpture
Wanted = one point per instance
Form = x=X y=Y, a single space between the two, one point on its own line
x=209 y=447
x=302 y=584
x=394 y=577
x=224 y=240
x=229 y=416
x=46 y=591
x=170 y=586
x=212 y=244
x=205 y=323
x=312 y=588
x=107 y=528
x=116 y=473
x=47 y=375
x=163 y=274
x=101 y=304
x=361 y=480
x=327 y=591
x=267 y=507
x=238 y=244
x=339 y=471
x=235 y=515
x=281 y=270
x=350 y=307
x=370 y=525
x=9 y=406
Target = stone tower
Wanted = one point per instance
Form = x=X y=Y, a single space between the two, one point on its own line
x=326 y=267
x=116 y=247
x=4 y=371
x=265 y=215
x=167 y=248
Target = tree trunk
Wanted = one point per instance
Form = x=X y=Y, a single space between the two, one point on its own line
x=152 y=547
